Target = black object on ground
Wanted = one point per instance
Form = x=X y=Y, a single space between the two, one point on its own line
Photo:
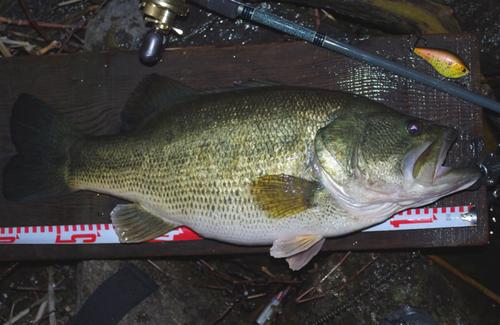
x=115 y=297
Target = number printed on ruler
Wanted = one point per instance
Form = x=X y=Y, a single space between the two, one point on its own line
x=79 y=234
x=427 y=218
x=105 y=234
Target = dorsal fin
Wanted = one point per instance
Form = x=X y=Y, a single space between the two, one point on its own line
x=238 y=85
x=153 y=92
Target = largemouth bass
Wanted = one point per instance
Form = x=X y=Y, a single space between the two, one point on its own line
x=276 y=165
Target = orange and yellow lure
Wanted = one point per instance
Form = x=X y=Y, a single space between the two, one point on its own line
x=445 y=62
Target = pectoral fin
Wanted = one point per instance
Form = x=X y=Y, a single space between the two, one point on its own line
x=284 y=195
x=134 y=224
x=298 y=250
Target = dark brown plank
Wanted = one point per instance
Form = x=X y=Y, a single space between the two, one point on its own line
x=91 y=89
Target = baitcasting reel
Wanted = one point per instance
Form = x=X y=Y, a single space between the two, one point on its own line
x=162 y=15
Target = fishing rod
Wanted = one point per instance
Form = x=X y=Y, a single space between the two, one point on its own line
x=163 y=14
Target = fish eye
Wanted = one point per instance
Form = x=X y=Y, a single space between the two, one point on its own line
x=414 y=128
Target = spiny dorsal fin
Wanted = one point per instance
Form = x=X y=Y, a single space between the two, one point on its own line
x=284 y=195
x=134 y=224
x=156 y=92
x=252 y=83
x=297 y=250
x=151 y=94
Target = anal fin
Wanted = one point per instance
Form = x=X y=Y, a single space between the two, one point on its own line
x=134 y=224
x=298 y=250
x=298 y=261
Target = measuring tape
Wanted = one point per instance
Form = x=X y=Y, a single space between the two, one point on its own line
x=427 y=218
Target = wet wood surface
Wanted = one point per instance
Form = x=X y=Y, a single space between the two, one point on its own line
x=405 y=16
x=91 y=89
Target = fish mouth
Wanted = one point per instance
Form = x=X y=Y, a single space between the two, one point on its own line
x=428 y=169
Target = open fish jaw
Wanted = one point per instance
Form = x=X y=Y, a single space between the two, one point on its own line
x=426 y=181
x=267 y=165
x=428 y=169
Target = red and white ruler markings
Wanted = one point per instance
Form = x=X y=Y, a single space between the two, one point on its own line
x=461 y=216
x=428 y=218
x=79 y=234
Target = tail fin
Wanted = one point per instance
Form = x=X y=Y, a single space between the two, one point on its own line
x=42 y=137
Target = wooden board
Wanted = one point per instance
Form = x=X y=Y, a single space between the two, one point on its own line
x=91 y=89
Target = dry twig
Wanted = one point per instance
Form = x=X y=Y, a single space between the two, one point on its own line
x=235 y=287
x=269 y=273
x=12 y=318
x=36 y=288
x=319 y=20
x=27 y=310
x=80 y=26
x=47 y=314
x=4 y=50
x=36 y=38
x=52 y=300
x=341 y=287
x=325 y=277
x=486 y=80
x=223 y=314
x=21 y=22
x=8 y=270
x=52 y=45
x=464 y=277
x=41 y=311
x=32 y=20
x=13 y=43
x=186 y=281
x=69 y=2
x=328 y=15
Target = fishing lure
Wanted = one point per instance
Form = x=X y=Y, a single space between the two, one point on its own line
x=445 y=62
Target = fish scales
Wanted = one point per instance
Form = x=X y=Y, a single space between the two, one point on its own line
x=207 y=151
x=276 y=165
